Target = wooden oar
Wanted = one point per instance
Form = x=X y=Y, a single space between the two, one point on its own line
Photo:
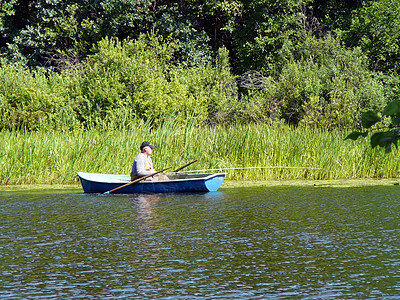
x=184 y=166
x=135 y=181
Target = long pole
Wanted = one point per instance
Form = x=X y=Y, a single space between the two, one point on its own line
x=135 y=181
x=246 y=168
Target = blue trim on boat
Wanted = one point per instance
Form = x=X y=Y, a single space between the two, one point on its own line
x=101 y=183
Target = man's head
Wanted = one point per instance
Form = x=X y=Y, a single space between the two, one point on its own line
x=144 y=145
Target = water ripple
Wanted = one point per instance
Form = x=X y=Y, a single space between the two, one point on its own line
x=280 y=242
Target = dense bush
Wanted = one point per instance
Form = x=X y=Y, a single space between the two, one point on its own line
x=136 y=79
x=120 y=83
x=28 y=101
x=321 y=84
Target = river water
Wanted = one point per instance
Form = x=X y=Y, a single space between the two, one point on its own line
x=277 y=242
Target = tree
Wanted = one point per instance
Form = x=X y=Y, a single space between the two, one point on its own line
x=56 y=34
x=48 y=33
x=263 y=30
x=178 y=22
x=376 y=29
x=333 y=15
x=6 y=10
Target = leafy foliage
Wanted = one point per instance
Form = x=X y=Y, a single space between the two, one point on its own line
x=312 y=58
x=332 y=15
x=193 y=43
x=57 y=34
x=6 y=10
x=121 y=83
x=258 y=33
x=264 y=30
x=385 y=136
x=29 y=101
x=376 y=28
x=137 y=78
x=323 y=85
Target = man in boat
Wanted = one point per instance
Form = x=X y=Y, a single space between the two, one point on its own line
x=143 y=164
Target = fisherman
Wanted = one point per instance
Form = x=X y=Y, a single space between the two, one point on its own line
x=143 y=165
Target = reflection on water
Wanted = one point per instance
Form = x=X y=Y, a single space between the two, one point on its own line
x=254 y=243
x=145 y=209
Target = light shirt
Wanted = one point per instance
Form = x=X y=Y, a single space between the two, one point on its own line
x=142 y=166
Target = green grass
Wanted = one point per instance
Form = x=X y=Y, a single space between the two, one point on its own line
x=291 y=153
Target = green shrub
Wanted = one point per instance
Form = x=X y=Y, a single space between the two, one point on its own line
x=27 y=100
x=324 y=84
x=137 y=79
x=119 y=85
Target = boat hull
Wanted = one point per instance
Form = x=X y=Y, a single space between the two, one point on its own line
x=101 y=183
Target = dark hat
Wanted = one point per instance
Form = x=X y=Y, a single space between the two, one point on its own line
x=146 y=144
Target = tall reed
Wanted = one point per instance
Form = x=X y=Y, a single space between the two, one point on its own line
x=292 y=153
